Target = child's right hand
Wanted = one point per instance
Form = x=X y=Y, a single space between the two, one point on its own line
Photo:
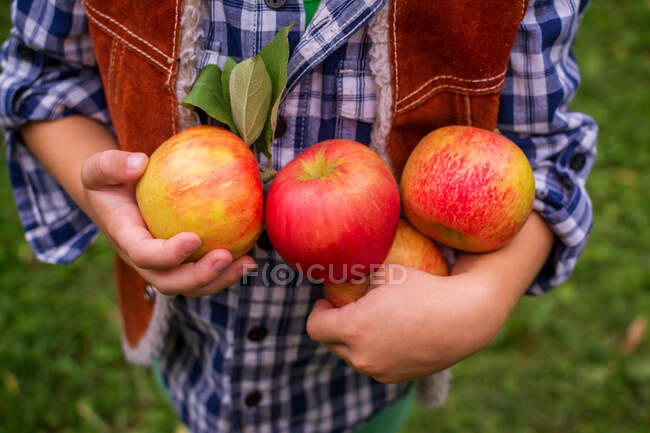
x=108 y=180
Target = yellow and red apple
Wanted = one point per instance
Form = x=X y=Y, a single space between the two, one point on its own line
x=343 y=293
x=204 y=180
x=410 y=248
x=332 y=212
x=468 y=188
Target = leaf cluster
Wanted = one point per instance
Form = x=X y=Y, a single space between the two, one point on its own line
x=245 y=96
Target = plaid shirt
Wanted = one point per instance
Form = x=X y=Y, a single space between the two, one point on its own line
x=242 y=358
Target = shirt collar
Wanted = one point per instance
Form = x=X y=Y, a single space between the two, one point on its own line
x=331 y=26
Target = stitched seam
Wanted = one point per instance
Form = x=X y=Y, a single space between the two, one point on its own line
x=169 y=59
x=170 y=87
x=125 y=42
x=468 y=110
x=169 y=77
x=117 y=89
x=450 y=87
x=396 y=99
x=462 y=80
x=111 y=63
x=399 y=100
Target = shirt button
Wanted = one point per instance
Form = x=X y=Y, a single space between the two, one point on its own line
x=253 y=399
x=280 y=128
x=577 y=161
x=264 y=242
x=275 y=4
x=258 y=333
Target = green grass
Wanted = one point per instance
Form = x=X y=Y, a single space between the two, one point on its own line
x=555 y=366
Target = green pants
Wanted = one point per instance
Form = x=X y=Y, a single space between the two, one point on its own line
x=389 y=420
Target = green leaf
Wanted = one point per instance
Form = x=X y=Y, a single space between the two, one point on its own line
x=207 y=94
x=250 y=97
x=276 y=56
x=225 y=80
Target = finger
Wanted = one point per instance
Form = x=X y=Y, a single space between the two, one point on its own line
x=112 y=167
x=148 y=253
x=229 y=276
x=387 y=274
x=190 y=276
x=324 y=323
x=341 y=350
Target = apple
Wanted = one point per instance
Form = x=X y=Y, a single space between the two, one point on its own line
x=342 y=294
x=410 y=248
x=468 y=188
x=204 y=180
x=332 y=212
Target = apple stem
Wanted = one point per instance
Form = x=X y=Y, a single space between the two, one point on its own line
x=268 y=174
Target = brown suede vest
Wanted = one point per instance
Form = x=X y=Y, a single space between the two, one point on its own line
x=448 y=63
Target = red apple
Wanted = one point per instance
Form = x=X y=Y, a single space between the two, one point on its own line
x=467 y=188
x=410 y=248
x=332 y=212
x=204 y=180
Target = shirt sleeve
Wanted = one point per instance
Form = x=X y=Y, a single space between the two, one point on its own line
x=541 y=80
x=48 y=72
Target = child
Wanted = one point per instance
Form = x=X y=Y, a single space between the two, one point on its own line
x=239 y=356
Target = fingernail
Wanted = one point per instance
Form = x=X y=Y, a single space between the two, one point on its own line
x=220 y=265
x=134 y=162
x=190 y=246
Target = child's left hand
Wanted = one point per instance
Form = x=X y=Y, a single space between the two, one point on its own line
x=424 y=323
x=398 y=332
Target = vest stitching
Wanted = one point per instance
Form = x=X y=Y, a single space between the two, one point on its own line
x=399 y=100
x=169 y=59
x=111 y=64
x=169 y=78
x=452 y=77
x=395 y=68
x=170 y=86
x=450 y=87
x=127 y=43
x=117 y=91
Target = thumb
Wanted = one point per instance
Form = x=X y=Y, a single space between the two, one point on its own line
x=112 y=167
x=324 y=323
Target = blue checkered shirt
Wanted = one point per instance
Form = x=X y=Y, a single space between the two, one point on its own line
x=241 y=359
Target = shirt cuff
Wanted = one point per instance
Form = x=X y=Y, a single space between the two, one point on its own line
x=561 y=198
x=57 y=230
x=38 y=86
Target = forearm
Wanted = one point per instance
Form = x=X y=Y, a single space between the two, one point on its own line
x=509 y=271
x=62 y=146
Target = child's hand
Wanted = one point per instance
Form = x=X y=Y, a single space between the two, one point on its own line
x=399 y=332
x=108 y=180
x=425 y=323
